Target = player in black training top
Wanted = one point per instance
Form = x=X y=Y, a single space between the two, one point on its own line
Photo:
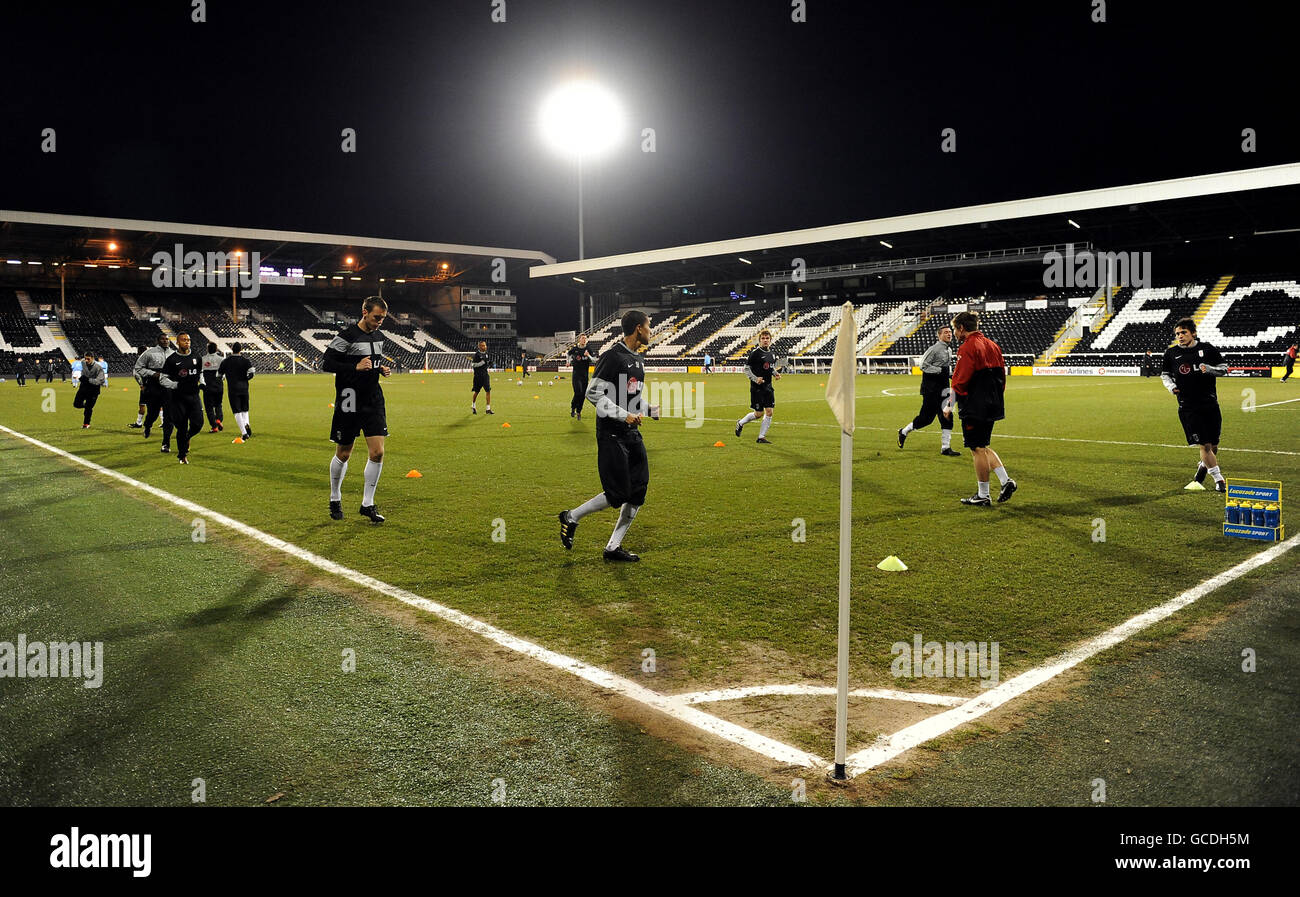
x=180 y=375
x=618 y=392
x=760 y=367
x=580 y=357
x=1189 y=371
x=481 y=379
x=355 y=358
x=237 y=370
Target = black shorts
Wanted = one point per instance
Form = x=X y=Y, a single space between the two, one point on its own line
x=143 y=400
x=976 y=433
x=761 y=395
x=624 y=468
x=346 y=425
x=238 y=402
x=481 y=381
x=1201 y=426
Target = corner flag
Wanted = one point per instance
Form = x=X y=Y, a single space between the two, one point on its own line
x=839 y=385
x=841 y=396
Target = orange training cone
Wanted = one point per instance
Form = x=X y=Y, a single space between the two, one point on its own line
x=719 y=444
x=238 y=440
x=506 y=424
x=414 y=475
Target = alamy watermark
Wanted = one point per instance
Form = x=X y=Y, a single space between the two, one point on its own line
x=211 y=271
x=1095 y=269
x=656 y=399
x=945 y=660
x=53 y=660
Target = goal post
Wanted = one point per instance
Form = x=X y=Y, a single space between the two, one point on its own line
x=270 y=361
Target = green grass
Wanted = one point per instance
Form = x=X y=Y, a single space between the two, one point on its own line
x=723 y=595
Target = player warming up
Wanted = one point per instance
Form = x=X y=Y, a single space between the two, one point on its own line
x=152 y=395
x=212 y=388
x=481 y=379
x=88 y=391
x=237 y=370
x=618 y=392
x=978 y=381
x=580 y=358
x=1188 y=371
x=760 y=367
x=180 y=375
x=936 y=401
x=355 y=358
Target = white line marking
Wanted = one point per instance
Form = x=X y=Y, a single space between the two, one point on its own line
x=887 y=747
x=754 y=691
x=666 y=704
x=1271 y=404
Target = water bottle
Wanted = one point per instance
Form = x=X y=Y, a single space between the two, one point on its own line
x=1258 y=513
x=1272 y=516
x=1230 y=512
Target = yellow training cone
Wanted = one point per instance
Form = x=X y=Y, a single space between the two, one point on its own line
x=1194 y=486
x=414 y=475
x=892 y=564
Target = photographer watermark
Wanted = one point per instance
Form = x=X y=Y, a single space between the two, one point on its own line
x=945 y=660
x=53 y=660
x=210 y=271
x=1095 y=269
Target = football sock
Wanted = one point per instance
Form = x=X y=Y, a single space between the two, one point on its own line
x=599 y=503
x=625 y=518
x=373 y=469
x=1216 y=473
x=139 y=418
x=489 y=406
x=1200 y=472
x=746 y=419
x=767 y=425
x=337 y=470
x=1003 y=476
x=908 y=429
x=945 y=436
x=984 y=489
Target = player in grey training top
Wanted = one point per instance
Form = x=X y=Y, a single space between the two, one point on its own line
x=936 y=392
x=211 y=382
x=147 y=368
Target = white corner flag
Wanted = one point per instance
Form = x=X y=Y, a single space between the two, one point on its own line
x=839 y=385
x=841 y=396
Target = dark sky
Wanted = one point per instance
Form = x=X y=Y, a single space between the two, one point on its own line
x=762 y=124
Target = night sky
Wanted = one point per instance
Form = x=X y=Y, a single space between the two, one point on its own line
x=762 y=124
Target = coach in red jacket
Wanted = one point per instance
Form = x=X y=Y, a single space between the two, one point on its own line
x=979 y=381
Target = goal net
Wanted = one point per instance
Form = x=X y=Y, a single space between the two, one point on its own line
x=459 y=362
x=867 y=364
x=275 y=362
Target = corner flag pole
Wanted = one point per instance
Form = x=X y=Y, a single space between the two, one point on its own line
x=840 y=395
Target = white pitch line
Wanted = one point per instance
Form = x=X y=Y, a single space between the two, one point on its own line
x=754 y=691
x=667 y=704
x=887 y=747
x=1271 y=404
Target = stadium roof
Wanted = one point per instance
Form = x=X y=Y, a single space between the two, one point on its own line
x=1259 y=202
x=45 y=238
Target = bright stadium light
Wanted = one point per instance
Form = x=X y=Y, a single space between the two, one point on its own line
x=581 y=119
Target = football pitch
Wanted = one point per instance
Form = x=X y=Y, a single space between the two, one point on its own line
x=224 y=647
